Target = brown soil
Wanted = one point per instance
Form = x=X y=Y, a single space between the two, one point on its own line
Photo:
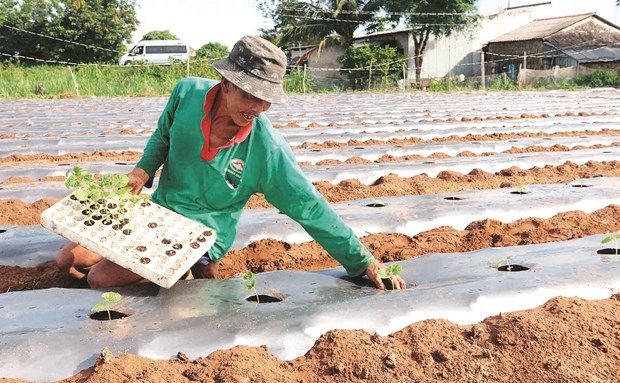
x=564 y=340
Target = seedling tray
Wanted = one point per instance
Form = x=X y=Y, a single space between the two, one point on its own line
x=157 y=243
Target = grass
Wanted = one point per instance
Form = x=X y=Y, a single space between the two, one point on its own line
x=56 y=81
x=53 y=81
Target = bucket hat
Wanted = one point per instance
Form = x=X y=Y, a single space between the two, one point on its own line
x=256 y=66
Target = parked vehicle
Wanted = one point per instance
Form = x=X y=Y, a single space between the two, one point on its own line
x=157 y=52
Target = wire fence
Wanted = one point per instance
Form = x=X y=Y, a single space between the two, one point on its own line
x=396 y=74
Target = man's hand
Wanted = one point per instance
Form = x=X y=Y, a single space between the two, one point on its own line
x=137 y=179
x=372 y=272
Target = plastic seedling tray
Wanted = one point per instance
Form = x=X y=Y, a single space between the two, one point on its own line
x=157 y=243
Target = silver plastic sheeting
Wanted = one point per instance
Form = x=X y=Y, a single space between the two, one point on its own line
x=407 y=215
x=51 y=329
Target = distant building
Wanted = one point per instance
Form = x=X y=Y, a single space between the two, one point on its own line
x=588 y=40
x=461 y=54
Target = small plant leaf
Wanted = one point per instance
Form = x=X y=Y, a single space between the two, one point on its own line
x=390 y=271
x=111 y=297
x=250 y=277
x=101 y=306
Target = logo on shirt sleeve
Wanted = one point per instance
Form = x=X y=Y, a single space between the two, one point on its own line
x=234 y=171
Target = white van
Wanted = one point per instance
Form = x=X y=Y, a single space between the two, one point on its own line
x=157 y=52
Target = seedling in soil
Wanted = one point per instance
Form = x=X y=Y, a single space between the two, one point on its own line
x=109 y=298
x=612 y=238
x=505 y=261
x=376 y=203
x=523 y=189
x=581 y=183
x=104 y=197
x=390 y=272
x=454 y=188
x=250 y=278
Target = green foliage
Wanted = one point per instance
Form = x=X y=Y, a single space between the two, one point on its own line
x=319 y=21
x=523 y=189
x=109 y=298
x=390 y=272
x=18 y=81
x=381 y=65
x=612 y=238
x=598 y=79
x=212 y=51
x=502 y=82
x=160 y=35
x=298 y=81
x=74 y=31
x=95 y=193
x=504 y=261
x=250 y=278
x=427 y=18
x=443 y=85
x=87 y=187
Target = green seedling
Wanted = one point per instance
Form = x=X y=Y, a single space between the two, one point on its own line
x=505 y=261
x=581 y=182
x=377 y=203
x=455 y=189
x=523 y=189
x=97 y=193
x=109 y=298
x=612 y=238
x=250 y=278
x=390 y=272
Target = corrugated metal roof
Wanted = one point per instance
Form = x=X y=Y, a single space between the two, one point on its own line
x=539 y=29
x=594 y=55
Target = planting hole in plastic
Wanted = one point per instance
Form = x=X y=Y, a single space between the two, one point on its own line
x=103 y=315
x=512 y=268
x=608 y=251
x=263 y=298
x=376 y=204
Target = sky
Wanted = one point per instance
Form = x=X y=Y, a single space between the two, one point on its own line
x=225 y=21
x=200 y=21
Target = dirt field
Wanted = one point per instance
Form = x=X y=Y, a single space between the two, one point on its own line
x=564 y=340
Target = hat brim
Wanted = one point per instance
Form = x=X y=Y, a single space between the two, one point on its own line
x=257 y=87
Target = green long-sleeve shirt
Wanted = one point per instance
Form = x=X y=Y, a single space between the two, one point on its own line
x=214 y=192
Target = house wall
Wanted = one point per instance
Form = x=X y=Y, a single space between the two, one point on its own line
x=460 y=54
x=324 y=63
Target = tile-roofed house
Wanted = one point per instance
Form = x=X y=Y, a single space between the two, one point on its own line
x=568 y=41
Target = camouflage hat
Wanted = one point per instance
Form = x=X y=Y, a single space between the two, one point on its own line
x=256 y=66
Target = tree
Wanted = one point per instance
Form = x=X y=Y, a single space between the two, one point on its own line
x=160 y=35
x=77 y=31
x=382 y=64
x=439 y=18
x=212 y=51
x=317 y=21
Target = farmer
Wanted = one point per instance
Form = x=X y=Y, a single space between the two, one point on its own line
x=217 y=149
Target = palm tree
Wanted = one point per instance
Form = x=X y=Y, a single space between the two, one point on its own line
x=319 y=21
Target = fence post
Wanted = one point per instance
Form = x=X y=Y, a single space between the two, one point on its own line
x=524 y=60
x=74 y=82
x=369 y=76
x=303 y=80
x=482 y=71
